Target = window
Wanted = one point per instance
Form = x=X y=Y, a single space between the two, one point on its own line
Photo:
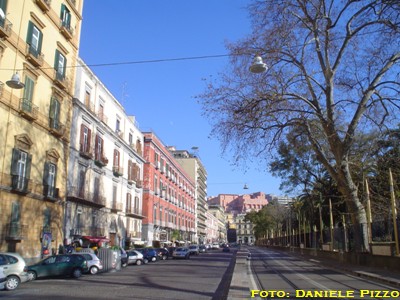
x=15 y=220
x=49 y=180
x=155 y=185
x=118 y=126
x=81 y=183
x=54 y=113
x=65 y=17
x=20 y=170
x=130 y=138
x=128 y=202
x=28 y=94
x=85 y=139
x=116 y=158
x=136 y=205
x=46 y=220
x=60 y=63
x=87 y=98
x=99 y=146
x=34 y=40
x=96 y=190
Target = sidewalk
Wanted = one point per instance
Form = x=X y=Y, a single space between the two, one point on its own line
x=241 y=283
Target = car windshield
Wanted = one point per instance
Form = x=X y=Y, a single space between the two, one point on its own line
x=180 y=249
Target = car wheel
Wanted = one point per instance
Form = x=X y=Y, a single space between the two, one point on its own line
x=124 y=264
x=153 y=258
x=164 y=257
x=76 y=273
x=146 y=261
x=12 y=283
x=138 y=262
x=32 y=275
x=94 y=270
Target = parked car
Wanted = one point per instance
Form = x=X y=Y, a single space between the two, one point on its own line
x=94 y=263
x=59 y=265
x=162 y=253
x=171 y=250
x=149 y=254
x=202 y=249
x=3 y=278
x=194 y=250
x=14 y=268
x=135 y=257
x=215 y=246
x=181 y=252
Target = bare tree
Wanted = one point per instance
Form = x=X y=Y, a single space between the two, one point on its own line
x=333 y=71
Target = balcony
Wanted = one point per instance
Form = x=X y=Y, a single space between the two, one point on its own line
x=60 y=80
x=79 y=195
x=44 y=5
x=102 y=117
x=134 y=212
x=66 y=30
x=34 y=56
x=116 y=206
x=135 y=234
x=56 y=128
x=5 y=28
x=51 y=192
x=101 y=162
x=117 y=171
x=96 y=231
x=15 y=232
x=20 y=184
x=85 y=151
x=28 y=110
x=139 y=183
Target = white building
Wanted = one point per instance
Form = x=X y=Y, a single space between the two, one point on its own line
x=105 y=170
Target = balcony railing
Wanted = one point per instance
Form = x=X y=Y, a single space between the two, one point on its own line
x=133 y=211
x=66 y=30
x=43 y=4
x=117 y=171
x=101 y=161
x=116 y=206
x=28 y=110
x=80 y=195
x=15 y=231
x=34 y=56
x=61 y=80
x=20 y=184
x=50 y=192
x=85 y=151
x=56 y=127
x=96 y=231
x=102 y=117
x=5 y=27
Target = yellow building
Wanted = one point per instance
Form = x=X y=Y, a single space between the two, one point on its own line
x=39 y=41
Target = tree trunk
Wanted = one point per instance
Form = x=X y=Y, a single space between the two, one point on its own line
x=356 y=209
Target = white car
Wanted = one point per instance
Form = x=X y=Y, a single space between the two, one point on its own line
x=14 y=268
x=181 y=252
x=94 y=263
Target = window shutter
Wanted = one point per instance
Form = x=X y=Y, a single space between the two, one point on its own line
x=81 y=145
x=63 y=8
x=89 y=139
x=40 y=42
x=46 y=174
x=65 y=66
x=97 y=154
x=14 y=161
x=28 y=166
x=56 y=59
x=15 y=213
x=3 y=5
x=28 y=91
x=30 y=33
x=52 y=113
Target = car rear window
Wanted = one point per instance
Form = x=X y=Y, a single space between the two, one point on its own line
x=11 y=259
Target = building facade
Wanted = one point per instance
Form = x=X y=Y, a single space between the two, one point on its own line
x=39 y=41
x=218 y=212
x=105 y=174
x=168 y=197
x=193 y=166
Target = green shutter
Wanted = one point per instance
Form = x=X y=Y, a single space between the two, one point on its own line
x=40 y=42
x=30 y=32
x=28 y=93
x=14 y=161
x=28 y=166
x=62 y=11
x=15 y=213
x=46 y=174
x=65 y=66
x=3 y=6
x=56 y=59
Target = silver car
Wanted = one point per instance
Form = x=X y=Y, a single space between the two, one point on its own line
x=14 y=268
x=3 y=279
x=93 y=262
x=135 y=257
x=181 y=252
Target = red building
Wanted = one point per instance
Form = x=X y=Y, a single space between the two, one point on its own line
x=168 y=197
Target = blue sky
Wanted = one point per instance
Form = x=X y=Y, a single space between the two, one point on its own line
x=161 y=95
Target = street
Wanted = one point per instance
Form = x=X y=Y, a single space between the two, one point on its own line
x=280 y=275
x=205 y=276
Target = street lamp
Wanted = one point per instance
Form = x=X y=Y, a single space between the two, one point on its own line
x=258 y=66
x=15 y=82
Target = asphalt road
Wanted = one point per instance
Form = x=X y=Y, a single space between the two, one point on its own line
x=206 y=276
x=279 y=275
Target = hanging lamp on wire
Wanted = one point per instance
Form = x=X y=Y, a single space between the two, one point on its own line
x=245 y=187
x=258 y=66
x=15 y=82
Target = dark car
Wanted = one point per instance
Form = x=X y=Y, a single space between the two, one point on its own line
x=226 y=249
x=171 y=250
x=59 y=265
x=162 y=253
x=149 y=254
